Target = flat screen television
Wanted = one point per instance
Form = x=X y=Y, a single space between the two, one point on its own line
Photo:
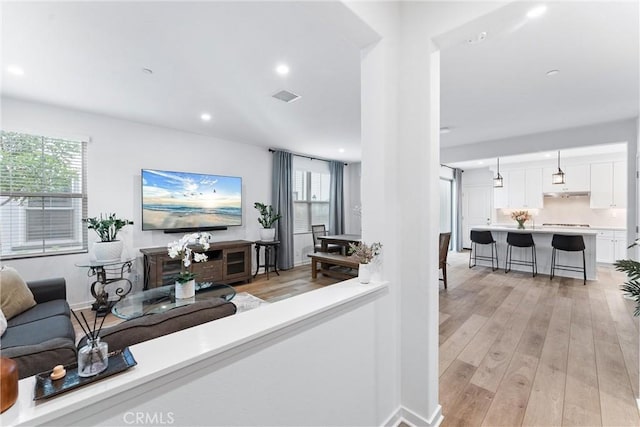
x=183 y=201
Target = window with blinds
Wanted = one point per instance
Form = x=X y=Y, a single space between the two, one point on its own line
x=43 y=195
x=310 y=200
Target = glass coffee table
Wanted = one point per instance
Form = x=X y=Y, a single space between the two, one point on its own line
x=162 y=299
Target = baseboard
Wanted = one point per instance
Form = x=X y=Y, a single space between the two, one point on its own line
x=406 y=416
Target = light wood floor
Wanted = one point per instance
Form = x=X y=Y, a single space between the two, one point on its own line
x=520 y=351
x=517 y=350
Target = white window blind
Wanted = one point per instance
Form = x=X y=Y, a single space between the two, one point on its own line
x=42 y=195
x=311 y=200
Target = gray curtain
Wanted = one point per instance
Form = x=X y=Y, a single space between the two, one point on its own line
x=282 y=201
x=336 y=198
x=457 y=182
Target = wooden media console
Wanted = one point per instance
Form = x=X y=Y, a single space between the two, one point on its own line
x=228 y=262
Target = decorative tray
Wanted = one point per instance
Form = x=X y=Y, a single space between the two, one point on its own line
x=119 y=361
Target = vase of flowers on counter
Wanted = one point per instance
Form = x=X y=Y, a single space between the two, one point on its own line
x=185 y=281
x=521 y=217
x=364 y=254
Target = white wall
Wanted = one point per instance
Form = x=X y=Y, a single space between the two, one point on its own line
x=400 y=164
x=117 y=151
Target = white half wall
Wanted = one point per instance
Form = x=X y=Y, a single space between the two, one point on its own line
x=118 y=149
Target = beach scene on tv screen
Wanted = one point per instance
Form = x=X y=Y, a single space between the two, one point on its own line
x=188 y=200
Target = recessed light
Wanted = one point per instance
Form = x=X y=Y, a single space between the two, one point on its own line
x=147 y=70
x=16 y=70
x=537 y=11
x=282 y=69
x=205 y=117
x=547 y=155
x=480 y=162
x=341 y=150
x=445 y=129
x=552 y=72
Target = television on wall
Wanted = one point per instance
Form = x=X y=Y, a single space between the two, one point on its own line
x=184 y=201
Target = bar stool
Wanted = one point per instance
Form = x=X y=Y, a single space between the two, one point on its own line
x=568 y=243
x=520 y=240
x=483 y=238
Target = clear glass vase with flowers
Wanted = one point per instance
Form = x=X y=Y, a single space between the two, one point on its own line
x=521 y=217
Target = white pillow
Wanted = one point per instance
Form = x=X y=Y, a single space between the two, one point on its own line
x=3 y=323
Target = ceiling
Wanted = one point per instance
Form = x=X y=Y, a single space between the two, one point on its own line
x=219 y=58
x=545 y=156
x=498 y=88
x=214 y=57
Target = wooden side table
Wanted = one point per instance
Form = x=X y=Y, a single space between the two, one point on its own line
x=270 y=256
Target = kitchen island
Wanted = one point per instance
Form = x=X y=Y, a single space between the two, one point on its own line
x=542 y=238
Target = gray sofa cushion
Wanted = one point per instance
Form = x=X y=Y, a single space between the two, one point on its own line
x=33 y=359
x=37 y=332
x=41 y=311
x=156 y=325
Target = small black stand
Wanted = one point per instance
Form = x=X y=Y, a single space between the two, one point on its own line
x=102 y=305
x=270 y=256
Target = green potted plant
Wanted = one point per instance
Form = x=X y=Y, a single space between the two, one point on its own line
x=107 y=248
x=267 y=218
x=632 y=287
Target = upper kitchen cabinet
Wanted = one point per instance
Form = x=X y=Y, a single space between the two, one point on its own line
x=577 y=179
x=608 y=185
x=522 y=190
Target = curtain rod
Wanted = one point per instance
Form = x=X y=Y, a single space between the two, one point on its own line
x=452 y=168
x=271 y=150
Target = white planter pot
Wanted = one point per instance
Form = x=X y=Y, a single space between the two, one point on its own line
x=185 y=290
x=107 y=251
x=267 y=234
x=364 y=273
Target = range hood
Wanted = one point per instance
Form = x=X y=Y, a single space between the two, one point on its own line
x=567 y=194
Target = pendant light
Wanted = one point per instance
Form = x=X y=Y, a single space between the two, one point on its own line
x=558 y=177
x=498 y=181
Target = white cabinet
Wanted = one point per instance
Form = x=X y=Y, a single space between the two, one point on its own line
x=516 y=190
x=533 y=189
x=577 y=179
x=608 y=185
x=611 y=245
x=620 y=184
x=522 y=190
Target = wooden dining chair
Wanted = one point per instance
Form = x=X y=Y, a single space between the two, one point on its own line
x=320 y=230
x=445 y=238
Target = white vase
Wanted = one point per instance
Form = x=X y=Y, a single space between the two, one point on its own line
x=185 y=290
x=364 y=273
x=267 y=234
x=107 y=251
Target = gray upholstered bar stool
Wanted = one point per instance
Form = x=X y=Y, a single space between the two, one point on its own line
x=568 y=243
x=483 y=238
x=520 y=240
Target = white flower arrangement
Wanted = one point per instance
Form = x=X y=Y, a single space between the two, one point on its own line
x=180 y=249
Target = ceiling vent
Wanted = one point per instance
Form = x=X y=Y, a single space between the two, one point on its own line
x=286 y=96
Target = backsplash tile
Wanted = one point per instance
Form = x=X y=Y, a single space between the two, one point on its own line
x=572 y=210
